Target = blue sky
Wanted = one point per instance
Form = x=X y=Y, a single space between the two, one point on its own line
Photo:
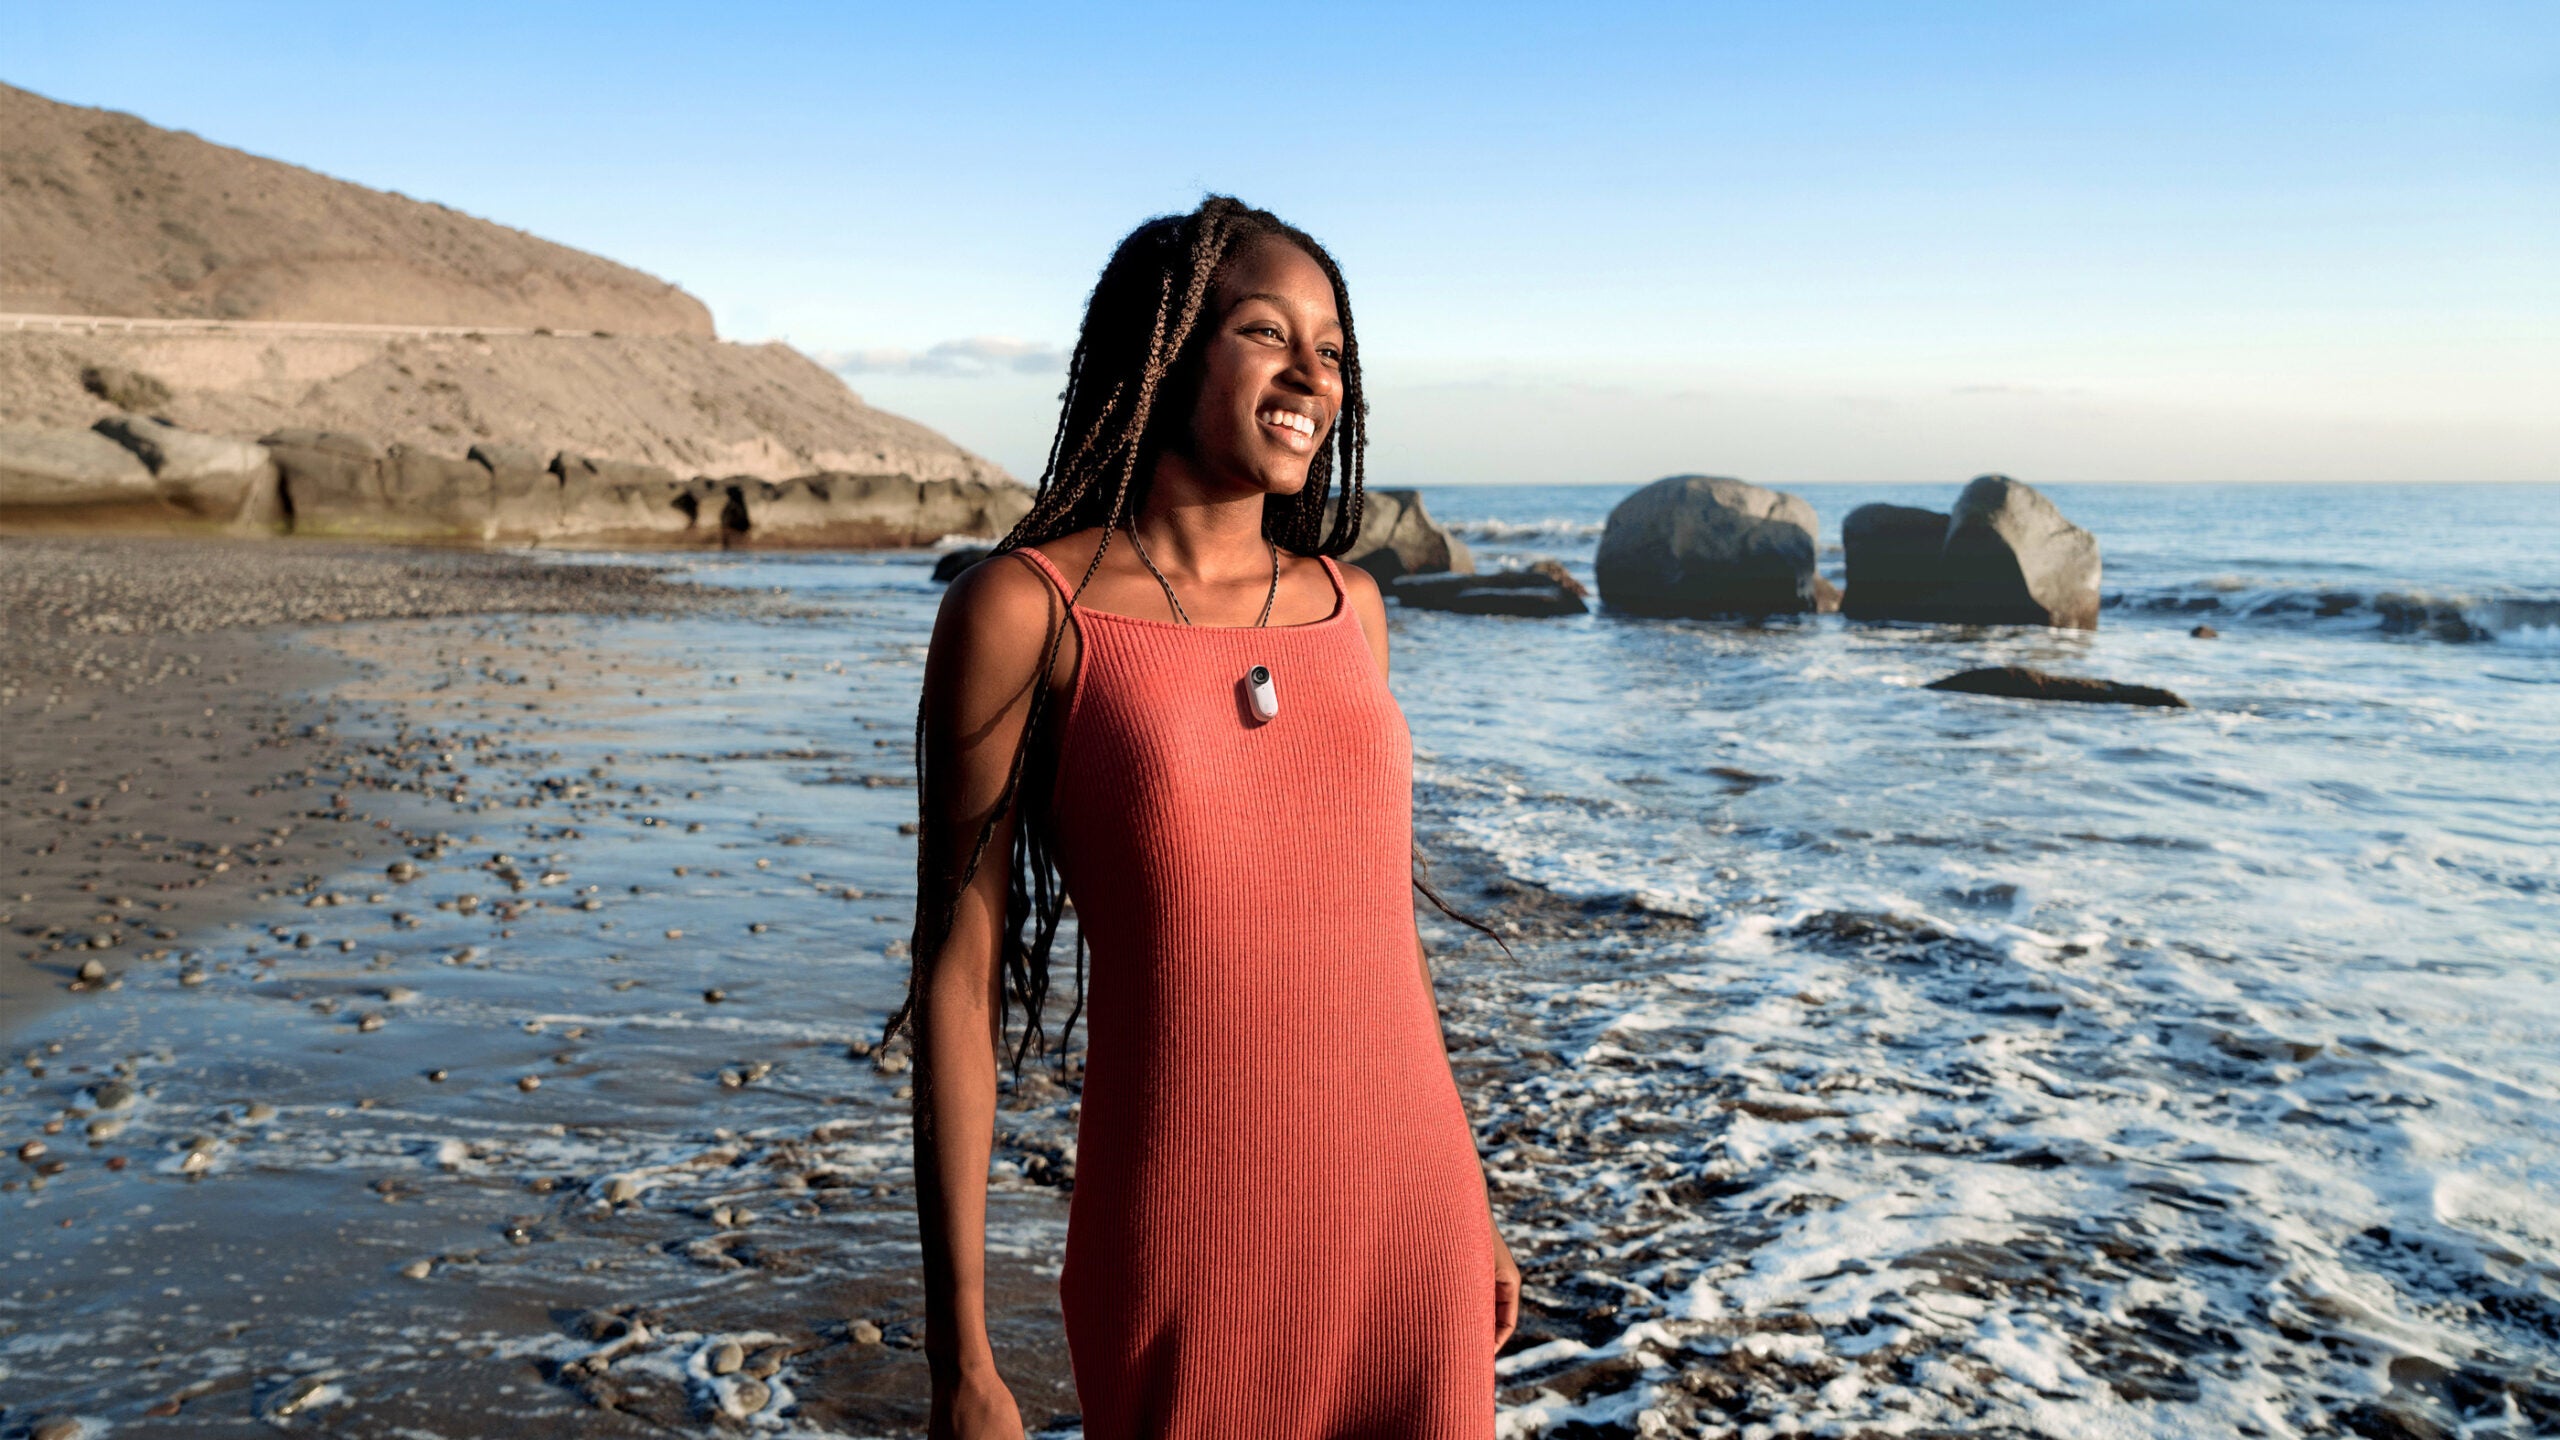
x=1791 y=242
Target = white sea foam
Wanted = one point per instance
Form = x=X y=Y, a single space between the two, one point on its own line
x=1545 y=529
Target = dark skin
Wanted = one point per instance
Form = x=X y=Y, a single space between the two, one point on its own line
x=1269 y=394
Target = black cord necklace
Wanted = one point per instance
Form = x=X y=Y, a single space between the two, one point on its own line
x=1264 y=619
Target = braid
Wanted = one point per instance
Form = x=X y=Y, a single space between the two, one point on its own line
x=1136 y=351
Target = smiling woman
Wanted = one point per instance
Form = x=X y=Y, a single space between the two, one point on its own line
x=1280 y=1226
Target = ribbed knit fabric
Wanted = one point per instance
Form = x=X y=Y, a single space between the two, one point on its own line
x=1279 y=1228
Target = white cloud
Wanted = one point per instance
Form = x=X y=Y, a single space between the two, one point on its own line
x=975 y=355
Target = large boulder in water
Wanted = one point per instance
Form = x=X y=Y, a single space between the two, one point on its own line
x=2011 y=559
x=1399 y=537
x=1895 y=555
x=948 y=568
x=2018 y=682
x=2003 y=556
x=1701 y=545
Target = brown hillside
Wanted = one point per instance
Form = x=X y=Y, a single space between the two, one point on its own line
x=694 y=406
x=104 y=214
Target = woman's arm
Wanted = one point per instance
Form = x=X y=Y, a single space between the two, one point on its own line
x=979 y=678
x=1371 y=607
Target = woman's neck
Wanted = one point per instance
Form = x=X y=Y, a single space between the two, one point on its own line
x=1192 y=525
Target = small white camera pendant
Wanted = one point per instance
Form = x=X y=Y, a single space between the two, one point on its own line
x=1260 y=694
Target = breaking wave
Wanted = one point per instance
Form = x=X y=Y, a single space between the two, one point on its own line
x=2529 y=621
x=1551 y=528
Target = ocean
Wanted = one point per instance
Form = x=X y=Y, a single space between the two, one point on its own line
x=2083 y=1070
x=1865 y=1060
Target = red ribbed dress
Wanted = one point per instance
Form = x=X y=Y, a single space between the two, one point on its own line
x=1279 y=1228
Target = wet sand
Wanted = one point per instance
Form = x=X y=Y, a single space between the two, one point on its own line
x=490 y=1082
x=163 y=750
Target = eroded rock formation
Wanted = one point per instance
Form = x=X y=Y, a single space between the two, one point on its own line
x=2003 y=556
x=1545 y=588
x=1399 y=537
x=135 y=473
x=1702 y=545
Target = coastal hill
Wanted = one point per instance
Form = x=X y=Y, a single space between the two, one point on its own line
x=105 y=214
x=690 y=405
x=147 y=270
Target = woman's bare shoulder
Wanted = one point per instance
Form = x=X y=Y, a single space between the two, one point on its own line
x=996 y=618
x=1002 y=589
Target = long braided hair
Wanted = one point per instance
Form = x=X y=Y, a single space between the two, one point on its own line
x=1131 y=386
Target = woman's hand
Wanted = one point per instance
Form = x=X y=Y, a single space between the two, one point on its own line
x=976 y=1406
x=1506 y=1293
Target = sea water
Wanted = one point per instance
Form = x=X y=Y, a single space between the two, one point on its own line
x=1873 y=1058
x=2224 y=1095
x=1864 y=1059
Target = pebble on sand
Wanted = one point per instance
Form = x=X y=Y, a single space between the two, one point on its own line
x=528 y=1082
x=418 y=1269
x=863 y=1332
x=725 y=1358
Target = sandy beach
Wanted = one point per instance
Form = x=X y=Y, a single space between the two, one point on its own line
x=315 y=1055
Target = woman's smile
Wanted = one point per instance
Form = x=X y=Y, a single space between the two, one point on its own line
x=1294 y=429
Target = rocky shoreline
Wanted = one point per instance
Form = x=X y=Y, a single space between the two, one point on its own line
x=137 y=473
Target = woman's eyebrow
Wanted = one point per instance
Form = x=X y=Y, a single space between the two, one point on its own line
x=1276 y=301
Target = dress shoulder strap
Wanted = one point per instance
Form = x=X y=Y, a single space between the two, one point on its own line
x=1340 y=596
x=1049 y=568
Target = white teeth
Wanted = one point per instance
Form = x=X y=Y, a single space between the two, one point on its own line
x=1291 y=419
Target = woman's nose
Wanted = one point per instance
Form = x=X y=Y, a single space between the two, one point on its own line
x=1308 y=368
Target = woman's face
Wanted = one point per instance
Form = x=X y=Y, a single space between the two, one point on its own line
x=1271 y=377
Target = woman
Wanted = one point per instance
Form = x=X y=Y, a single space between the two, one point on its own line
x=1280 y=1225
